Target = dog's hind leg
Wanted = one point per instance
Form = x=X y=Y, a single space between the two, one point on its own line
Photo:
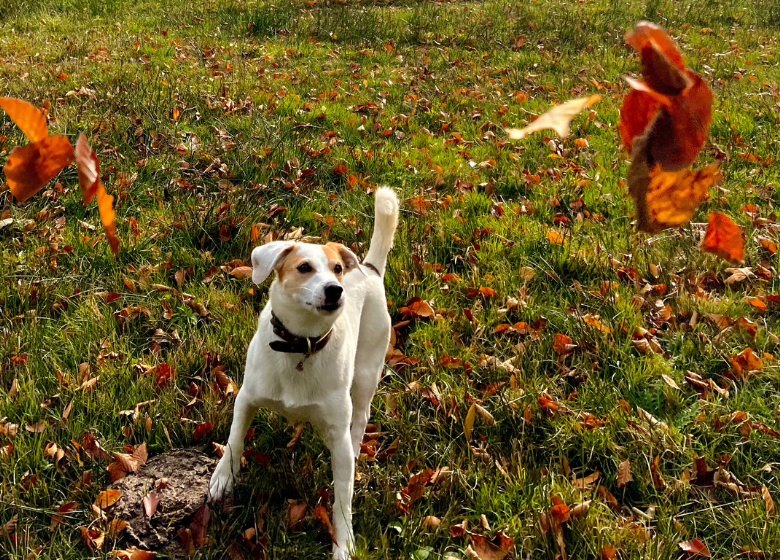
x=228 y=467
x=369 y=364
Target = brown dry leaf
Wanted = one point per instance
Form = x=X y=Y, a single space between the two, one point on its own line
x=468 y=423
x=93 y=537
x=321 y=513
x=769 y=503
x=201 y=430
x=133 y=553
x=37 y=428
x=669 y=381
x=56 y=519
x=296 y=511
x=585 y=482
x=695 y=547
x=187 y=542
x=8 y=429
x=241 y=272
x=624 y=473
x=107 y=498
x=558 y=118
x=200 y=525
x=491 y=550
x=723 y=238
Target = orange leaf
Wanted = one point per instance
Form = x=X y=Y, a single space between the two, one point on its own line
x=695 y=547
x=563 y=344
x=27 y=117
x=30 y=167
x=107 y=498
x=201 y=430
x=321 y=513
x=667 y=199
x=723 y=238
x=89 y=179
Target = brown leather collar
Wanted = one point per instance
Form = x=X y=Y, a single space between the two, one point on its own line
x=291 y=344
x=372 y=267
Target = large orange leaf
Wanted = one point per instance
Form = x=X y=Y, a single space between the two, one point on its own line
x=666 y=199
x=27 y=117
x=30 y=167
x=89 y=179
x=723 y=238
x=664 y=123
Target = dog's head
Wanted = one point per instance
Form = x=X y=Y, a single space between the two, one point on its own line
x=311 y=276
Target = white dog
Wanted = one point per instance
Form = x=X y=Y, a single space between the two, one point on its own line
x=318 y=352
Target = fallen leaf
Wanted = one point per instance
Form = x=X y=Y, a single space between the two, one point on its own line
x=558 y=118
x=107 y=498
x=151 y=500
x=321 y=513
x=56 y=519
x=468 y=423
x=296 y=511
x=695 y=547
x=624 y=473
x=201 y=430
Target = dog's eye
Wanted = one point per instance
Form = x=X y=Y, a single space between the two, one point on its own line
x=337 y=269
x=304 y=268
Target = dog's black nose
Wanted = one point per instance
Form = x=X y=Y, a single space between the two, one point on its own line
x=333 y=292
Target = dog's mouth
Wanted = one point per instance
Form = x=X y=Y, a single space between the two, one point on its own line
x=330 y=307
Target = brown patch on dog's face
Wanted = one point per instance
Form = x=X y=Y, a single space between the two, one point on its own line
x=335 y=262
x=288 y=271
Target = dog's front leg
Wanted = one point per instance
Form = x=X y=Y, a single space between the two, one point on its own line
x=343 y=461
x=228 y=467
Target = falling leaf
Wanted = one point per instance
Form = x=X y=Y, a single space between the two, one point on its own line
x=89 y=179
x=664 y=122
x=27 y=117
x=558 y=118
x=667 y=199
x=695 y=547
x=107 y=498
x=150 y=503
x=29 y=168
x=723 y=238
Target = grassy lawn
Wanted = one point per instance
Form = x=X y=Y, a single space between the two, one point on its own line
x=223 y=122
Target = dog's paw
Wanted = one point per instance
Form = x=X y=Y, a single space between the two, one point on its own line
x=220 y=485
x=342 y=552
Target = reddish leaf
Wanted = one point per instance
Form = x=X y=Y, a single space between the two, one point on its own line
x=321 y=513
x=563 y=344
x=200 y=525
x=695 y=547
x=296 y=511
x=723 y=238
x=201 y=430
x=65 y=508
x=89 y=179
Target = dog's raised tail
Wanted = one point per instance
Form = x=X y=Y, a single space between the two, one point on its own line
x=385 y=222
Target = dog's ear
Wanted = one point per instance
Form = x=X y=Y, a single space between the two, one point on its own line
x=269 y=257
x=349 y=258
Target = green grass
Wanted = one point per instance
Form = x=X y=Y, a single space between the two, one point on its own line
x=284 y=81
